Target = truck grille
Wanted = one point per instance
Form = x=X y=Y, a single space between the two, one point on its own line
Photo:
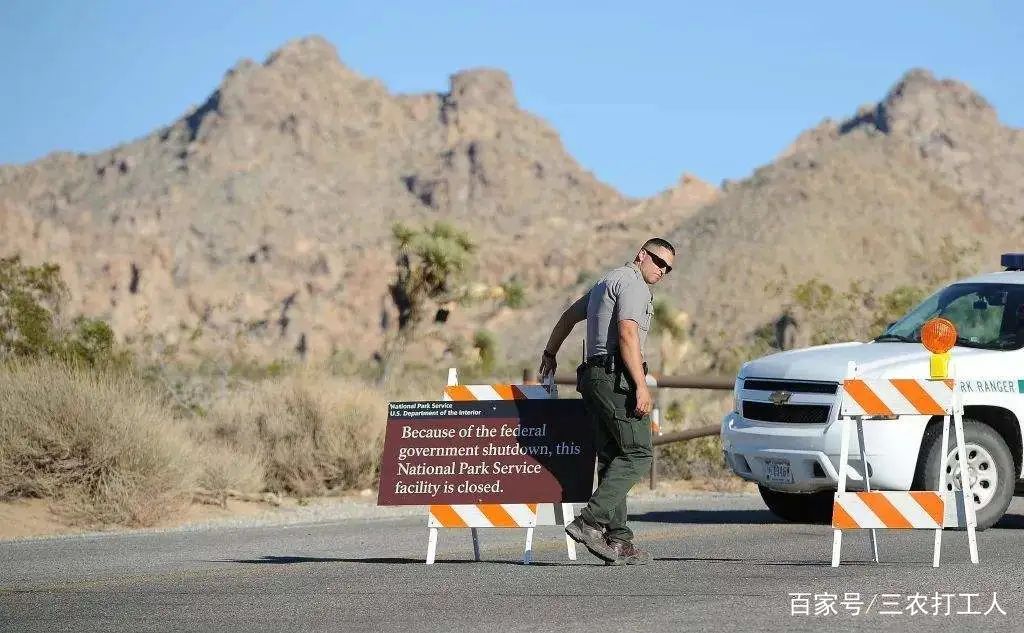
x=792 y=386
x=788 y=413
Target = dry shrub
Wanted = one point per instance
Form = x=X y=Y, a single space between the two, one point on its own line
x=98 y=443
x=699 y=458
x=313 y=433
x=222 y=467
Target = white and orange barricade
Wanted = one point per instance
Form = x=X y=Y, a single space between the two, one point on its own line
x=498 y=515
x=924 y=509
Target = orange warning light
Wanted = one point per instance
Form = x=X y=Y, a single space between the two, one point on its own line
x=938 y=335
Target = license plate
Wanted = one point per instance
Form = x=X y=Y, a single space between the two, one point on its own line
x=776 y=471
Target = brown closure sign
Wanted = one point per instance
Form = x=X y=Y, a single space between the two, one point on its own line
x=487 y=451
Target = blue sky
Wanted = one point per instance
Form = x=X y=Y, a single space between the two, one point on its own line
x=639 y=91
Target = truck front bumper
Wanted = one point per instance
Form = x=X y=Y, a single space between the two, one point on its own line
x=811 y=452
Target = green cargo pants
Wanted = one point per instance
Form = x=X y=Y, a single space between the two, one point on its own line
x=623 y=444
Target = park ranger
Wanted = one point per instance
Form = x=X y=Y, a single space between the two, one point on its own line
x=618 y=311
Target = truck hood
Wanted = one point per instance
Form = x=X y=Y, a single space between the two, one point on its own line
x=873 y=360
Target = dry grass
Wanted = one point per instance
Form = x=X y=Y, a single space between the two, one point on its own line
x=220 y=466
x=105 y=448
x=312 y=433
x=99 y=444
x=698 y=459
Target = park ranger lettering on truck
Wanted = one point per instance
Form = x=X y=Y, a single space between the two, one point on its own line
x=988 y=386
x=783 y=432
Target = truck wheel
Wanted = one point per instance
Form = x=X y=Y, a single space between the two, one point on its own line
x=798 y=507
x=990 y=468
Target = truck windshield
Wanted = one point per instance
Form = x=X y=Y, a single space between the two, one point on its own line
x=987 y=316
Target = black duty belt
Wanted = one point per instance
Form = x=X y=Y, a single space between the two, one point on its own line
x=610 y=362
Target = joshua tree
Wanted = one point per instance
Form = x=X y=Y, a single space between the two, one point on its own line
x=430 y=264
x=670 y=324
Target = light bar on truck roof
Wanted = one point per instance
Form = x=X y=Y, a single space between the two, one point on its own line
x=1012 y=261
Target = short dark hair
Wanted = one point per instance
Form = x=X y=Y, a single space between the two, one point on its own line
x=662 y=242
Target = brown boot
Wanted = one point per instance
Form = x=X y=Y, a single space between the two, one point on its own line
x=592 y=536
x=627 y=554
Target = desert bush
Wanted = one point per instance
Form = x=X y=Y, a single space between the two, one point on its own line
x=700 y=458
x=99 y=443
x=32 y=300
x=856 y=314
x=222 y=466
x=513 y=294
x=693 y=459
x=313 y=434
x=486 y=346
x=728 y=361
x=823 y=315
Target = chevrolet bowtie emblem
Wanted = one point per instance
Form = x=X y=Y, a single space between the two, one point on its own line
x=780 y=397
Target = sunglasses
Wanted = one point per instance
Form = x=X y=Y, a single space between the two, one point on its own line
x=659 y=262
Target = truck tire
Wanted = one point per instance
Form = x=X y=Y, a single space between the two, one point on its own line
x=991 y=463
x=799 y=507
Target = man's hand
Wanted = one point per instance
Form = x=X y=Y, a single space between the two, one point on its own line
x=644 y=402
x=547 y=366
x=574 y=314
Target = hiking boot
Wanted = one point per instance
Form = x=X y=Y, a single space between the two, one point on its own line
x=627 y=554
x=592 y=537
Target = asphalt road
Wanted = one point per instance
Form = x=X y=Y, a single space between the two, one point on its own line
x=722 y=563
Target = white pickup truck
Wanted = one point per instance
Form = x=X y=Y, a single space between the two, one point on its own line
x=782 y=432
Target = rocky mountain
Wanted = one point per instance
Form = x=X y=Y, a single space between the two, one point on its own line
x=259 y=222
x=263 y=216
x=923 y=187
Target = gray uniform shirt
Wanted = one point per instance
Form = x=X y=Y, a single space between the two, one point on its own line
x=621 y=294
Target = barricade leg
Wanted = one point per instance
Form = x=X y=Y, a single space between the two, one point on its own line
x=565 y=515
x=476 y=545
x=528 y=550
x=943 y=464
x=431 y=546
x=867 y=480
x=844 y=455
x=965 y=485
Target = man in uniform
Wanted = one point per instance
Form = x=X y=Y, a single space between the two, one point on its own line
x=612 y=380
